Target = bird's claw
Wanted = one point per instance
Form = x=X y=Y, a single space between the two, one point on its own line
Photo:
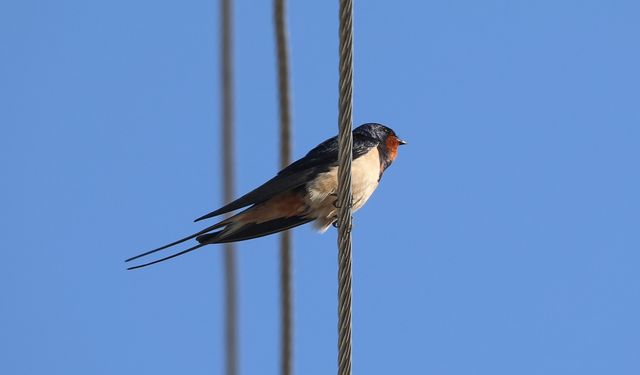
x=336 y=225
x=335 y=202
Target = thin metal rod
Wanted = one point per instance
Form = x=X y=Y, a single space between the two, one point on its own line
x=231 y=313
x=284 y=101
x=345 y=147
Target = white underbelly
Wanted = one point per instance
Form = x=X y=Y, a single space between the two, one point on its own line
x=364 y=181
x=322 y=192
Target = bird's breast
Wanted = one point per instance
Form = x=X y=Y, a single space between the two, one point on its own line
x=322 y=190
x=365 y=174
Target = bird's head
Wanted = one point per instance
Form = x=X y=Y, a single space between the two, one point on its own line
x=388 y=139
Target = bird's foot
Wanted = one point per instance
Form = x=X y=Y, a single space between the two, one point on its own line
x=336 y=224
x=335 y=202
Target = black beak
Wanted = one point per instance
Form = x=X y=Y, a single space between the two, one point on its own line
x=401 y=142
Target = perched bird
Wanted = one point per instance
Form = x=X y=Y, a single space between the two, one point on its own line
x=304 y=191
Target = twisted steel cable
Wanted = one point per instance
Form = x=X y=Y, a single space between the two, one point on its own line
x=230 y=318
x=286 y=294
x=345 y=147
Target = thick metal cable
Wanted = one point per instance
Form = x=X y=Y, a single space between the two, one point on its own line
x=286 y=293
x=345 y=146
x=230 y=316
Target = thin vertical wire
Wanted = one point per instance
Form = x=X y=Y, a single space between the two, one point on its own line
x=230 y=318
x=345 y=146
x=286 y=293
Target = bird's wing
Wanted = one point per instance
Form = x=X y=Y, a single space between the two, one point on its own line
x=253 y=230
x=320 y=159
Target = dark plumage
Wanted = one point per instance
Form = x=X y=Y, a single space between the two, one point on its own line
x=302 y=192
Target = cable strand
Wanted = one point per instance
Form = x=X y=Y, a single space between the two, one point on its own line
x=284 y=103
x=345 y=150
x=230 y=317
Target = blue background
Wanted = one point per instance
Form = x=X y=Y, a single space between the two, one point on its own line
x=504 y=239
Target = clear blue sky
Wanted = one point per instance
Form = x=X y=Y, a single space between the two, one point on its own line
x=504 y=240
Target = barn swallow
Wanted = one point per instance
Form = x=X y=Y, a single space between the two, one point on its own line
x=304 y=191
